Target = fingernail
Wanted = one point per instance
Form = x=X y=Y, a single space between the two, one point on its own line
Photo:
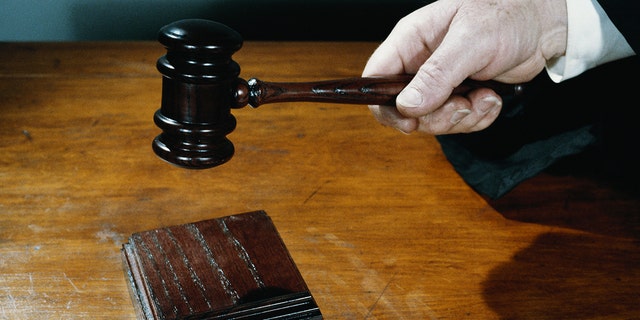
x=402 y=131
x=459 y=115
x=409 y=97
x=489 y=103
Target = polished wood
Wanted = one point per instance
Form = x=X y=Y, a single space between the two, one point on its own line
x=233 y=267
x=378 y=223
x=360 y=90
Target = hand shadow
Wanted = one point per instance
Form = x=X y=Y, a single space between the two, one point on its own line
x=587 y=267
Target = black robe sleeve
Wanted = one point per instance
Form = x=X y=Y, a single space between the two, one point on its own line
x=625 y=16
x=582 y=126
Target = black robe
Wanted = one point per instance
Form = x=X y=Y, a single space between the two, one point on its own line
x=585 y=125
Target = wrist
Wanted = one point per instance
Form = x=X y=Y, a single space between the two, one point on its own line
x=554 y=38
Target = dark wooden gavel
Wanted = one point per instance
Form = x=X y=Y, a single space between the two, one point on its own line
x=200 y=86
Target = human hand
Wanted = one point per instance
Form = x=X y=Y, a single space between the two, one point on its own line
x=449 y=41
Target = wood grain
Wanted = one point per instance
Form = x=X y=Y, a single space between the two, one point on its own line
x=378 y=223
x=231 y=267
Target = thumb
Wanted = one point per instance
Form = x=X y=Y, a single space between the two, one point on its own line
x=429 y=89
x=433 y=83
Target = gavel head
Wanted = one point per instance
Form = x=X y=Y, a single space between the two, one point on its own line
x=199 y=87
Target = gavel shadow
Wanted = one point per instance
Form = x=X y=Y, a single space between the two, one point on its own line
x=587 y=266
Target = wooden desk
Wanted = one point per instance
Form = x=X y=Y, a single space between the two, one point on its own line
x=379 y=224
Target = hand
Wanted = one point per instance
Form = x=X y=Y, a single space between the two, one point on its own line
x=448 y=41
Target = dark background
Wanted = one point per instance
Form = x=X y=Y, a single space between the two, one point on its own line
x=79 y=20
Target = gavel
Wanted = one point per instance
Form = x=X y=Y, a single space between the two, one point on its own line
x=200 y=86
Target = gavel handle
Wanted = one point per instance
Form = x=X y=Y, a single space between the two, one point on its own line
x=371 y=90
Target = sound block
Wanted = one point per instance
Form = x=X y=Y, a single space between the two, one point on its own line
x=234 y=267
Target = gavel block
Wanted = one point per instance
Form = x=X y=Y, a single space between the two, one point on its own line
x=234 y=267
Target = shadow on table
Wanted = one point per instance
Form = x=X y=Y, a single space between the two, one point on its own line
x=588 y=268
x=567 y=276
x=577 y=201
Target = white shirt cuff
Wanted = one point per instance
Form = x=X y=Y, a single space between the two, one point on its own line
x=592 y=40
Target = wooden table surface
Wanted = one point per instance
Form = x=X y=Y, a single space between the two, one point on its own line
x=378 y=222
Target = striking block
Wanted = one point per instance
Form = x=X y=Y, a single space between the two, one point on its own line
x=234 y=267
